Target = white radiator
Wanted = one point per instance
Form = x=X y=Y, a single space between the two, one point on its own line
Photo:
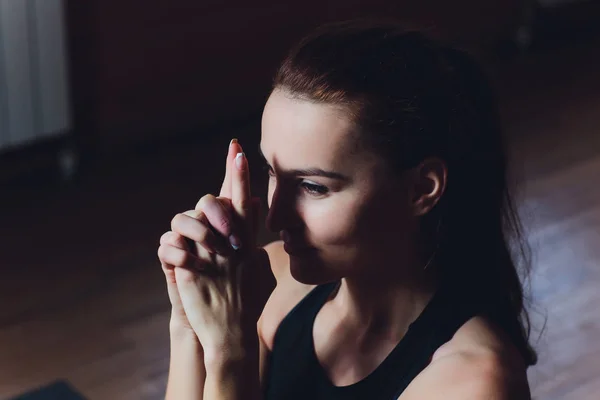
x=34 y=92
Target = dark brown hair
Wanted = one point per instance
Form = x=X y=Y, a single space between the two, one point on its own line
x=412 y=98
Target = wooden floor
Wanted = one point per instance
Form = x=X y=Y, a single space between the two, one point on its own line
x=83 y=297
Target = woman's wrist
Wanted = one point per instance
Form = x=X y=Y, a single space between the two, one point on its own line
x=181 y=330
x=234 y=374
x=233 y=347
x=225 y=357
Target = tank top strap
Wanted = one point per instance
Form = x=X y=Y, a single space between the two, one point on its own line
x=292 y=374
x=443 y=316
x=306 y=310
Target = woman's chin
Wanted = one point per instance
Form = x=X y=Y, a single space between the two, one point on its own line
x=309 y=272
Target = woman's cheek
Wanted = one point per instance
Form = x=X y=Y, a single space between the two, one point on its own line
x=329 y=222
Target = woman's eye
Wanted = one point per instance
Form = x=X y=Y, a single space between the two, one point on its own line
x=311 y=188
x=314 y=189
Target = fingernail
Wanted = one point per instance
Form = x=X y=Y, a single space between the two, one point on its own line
x=239 y=160
x=234 y=140
x=235 y=242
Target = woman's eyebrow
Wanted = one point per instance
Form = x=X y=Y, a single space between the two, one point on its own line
x=309 y=171
x=317 y=172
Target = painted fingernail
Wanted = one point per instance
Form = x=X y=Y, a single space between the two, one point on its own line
x=239 y=160
x=235 y=242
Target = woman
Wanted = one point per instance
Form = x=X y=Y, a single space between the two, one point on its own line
x=394 y=276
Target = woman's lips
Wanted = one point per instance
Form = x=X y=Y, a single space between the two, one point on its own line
x=296 y=250
x=293 y=247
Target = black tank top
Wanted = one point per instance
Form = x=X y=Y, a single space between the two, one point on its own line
x=295 y=372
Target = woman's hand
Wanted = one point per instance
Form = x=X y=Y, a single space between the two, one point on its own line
x=222 y=279
x=179 y=324
x=174 y=246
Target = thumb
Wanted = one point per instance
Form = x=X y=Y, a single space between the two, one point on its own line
x=172 y=290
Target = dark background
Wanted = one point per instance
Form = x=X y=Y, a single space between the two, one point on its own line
x=150 y=71
x=159 y=88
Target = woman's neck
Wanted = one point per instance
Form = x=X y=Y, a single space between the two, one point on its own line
x=384 y=305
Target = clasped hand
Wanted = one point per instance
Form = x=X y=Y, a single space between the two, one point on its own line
x=217 y=279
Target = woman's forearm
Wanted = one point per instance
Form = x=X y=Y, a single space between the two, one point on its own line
x=186 y=368
x=234 y=378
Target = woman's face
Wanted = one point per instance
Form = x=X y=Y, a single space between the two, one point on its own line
x=337 y=208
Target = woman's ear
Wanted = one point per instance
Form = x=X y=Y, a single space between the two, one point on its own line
x=429 y=181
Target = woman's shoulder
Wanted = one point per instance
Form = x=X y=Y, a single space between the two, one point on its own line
x=284 y=298
x=479 y=361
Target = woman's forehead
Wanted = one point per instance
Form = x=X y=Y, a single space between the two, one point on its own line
x=299 y=130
